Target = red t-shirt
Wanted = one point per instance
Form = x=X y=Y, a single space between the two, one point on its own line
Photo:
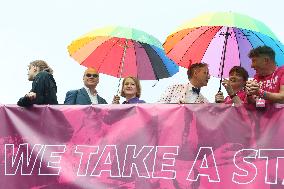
x=272 y=82
x=241 y=94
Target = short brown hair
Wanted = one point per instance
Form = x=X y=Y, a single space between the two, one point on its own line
x=42 y=65
x=240 y=71
x=262 y=50
x=137 y=83
x=194 y=67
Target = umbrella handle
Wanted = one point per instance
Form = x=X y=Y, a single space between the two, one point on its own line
x=155 y=83
x=222 y=63
x=220 y=85
x=117 y=92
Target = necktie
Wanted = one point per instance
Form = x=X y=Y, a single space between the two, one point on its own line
x=196 y=90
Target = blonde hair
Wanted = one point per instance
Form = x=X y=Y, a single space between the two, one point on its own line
x=42 y=65
x=137 y=83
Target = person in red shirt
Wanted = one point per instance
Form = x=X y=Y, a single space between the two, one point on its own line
x=268 y=82
x=234 y=86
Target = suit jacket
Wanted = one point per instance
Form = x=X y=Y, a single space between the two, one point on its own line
x=81 y=97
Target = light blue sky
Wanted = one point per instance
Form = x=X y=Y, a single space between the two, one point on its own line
x=36 y=29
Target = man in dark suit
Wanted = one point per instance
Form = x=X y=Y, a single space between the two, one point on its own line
x=88 y=94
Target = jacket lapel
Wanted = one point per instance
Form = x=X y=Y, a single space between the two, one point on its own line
x=85 y=94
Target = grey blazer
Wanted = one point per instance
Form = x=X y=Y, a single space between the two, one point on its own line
x=81 y=97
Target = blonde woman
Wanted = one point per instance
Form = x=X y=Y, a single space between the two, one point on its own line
x=130 y=90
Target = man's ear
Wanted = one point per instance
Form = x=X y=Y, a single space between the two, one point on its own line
x=266 y=60
x=196 y=71
x=36 y=69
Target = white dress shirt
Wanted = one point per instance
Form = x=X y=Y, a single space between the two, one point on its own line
x=93 y=97
x=182 y=93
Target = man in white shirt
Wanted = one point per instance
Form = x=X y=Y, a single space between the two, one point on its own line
x=88 y=94
x=198 y=76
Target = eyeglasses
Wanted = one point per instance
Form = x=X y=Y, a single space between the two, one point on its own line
x=92 y=75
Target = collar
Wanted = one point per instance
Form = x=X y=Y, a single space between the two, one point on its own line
x=190 y=86
x=89 y=91
x=272 y=74
x=196 y=90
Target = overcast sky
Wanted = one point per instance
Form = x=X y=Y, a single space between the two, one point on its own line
x=37 y=29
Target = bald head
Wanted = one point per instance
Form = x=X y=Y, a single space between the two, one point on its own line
x=91 y=70
x=91 y=78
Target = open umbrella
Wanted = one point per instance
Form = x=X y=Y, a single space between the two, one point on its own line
x=222 y=40
x=121 y=52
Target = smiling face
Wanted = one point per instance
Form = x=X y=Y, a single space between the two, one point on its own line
x=129 y=88
x=260 y=65
x=236 y=81
x=91 y=78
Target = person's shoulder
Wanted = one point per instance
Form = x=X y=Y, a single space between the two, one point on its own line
x=279 y=72
x=142 y=101
x=176 y=86
x=77 y=90
x=72 y=91
x=280 y=69
x=44 y=74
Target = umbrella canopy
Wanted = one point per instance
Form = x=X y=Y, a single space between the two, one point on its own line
x=222 y=40
x=122 y=52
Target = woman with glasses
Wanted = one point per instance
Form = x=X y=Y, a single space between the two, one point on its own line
x=235 y=87
x=130 y=90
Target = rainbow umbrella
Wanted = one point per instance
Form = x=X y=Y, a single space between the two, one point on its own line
x=121 y=52
x=222 y=40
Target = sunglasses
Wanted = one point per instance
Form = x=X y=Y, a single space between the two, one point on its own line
x=92 y=75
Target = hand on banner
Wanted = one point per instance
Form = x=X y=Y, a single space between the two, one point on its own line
x=31 y=95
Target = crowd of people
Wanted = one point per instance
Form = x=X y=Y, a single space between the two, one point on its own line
x=267 y=86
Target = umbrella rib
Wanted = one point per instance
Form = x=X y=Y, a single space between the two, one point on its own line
x=157 y=55
x=237 y=45
x=107 y=53
x=253 y=34
x=270 y=38
x=136 y=62
x=209 y=44
x=121 y=65
x=91 y=53
x=151 y=64
x=247 y=37
x=180 y=39
x=224 y=57
x=194 y=42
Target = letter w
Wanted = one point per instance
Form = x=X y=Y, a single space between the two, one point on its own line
x=22 y=156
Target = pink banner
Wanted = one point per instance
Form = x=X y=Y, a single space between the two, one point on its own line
x=141 y=146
